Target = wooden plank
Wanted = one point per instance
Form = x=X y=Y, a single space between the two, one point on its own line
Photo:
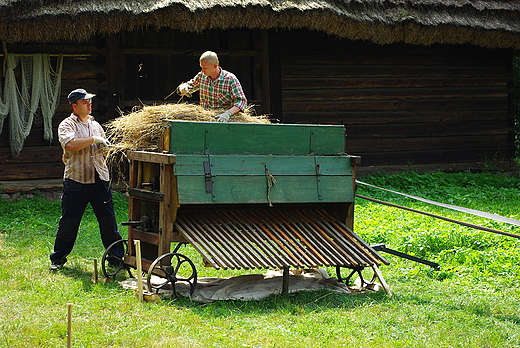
x=167 y=208
x=426 y=130
x=31 y=185
x=249 y=138
x=349 y=118
x=31 y=155
x=395 y=93
x=487 y=156
x=399 y=105
x=35 y=138
x=22 y=171
x=380 y=71
x=154 y=157
x=423 y=145
x=330 y=82
x=248 y=189
x=239 y=165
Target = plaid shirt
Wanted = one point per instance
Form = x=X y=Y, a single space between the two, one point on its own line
x=225 y=92
x=82 y=165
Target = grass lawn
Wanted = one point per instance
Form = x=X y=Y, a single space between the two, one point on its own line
x=472 y=301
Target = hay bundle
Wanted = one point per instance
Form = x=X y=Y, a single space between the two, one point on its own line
x=141 y=129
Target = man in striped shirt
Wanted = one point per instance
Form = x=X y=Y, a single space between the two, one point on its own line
x=218 y=88
x=86 y=179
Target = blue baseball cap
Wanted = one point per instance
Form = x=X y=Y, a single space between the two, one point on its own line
x=79 y=93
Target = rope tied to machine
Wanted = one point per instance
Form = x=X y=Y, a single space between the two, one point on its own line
x=271 y=181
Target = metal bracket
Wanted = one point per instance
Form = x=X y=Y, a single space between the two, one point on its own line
x=208 y=178
x=318 y=178
x=311 y=143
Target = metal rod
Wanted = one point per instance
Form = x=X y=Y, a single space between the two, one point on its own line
x=382 y=247
x=441 y=217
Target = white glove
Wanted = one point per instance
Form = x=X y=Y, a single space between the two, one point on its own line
x=224 y=117
x=96 y=139
x=184 y=89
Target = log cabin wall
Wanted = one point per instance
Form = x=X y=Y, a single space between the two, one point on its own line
x=147 y=66
x=440 y=107
x=39 y=163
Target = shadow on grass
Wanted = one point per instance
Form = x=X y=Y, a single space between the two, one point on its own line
x=87 y=277
x=295 y=303
x=484 y=310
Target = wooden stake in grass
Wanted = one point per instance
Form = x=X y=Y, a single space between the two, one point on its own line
x=69 y=326
x=139 y=265
x=95 y=272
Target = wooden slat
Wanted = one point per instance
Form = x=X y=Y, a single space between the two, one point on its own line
x=399 y=105
x=441 y=93
x=32 y=155
x=385 y=71
x=269 y=238
x=424 y=145
x=404 y=117
x=330 y=82
x=22 y=171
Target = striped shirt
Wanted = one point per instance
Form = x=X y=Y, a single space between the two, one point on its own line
x=224 y=92
x=82 y=165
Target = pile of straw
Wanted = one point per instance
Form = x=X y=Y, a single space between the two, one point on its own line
x=141 y=129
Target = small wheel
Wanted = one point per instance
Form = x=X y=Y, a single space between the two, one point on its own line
x=172 y=267
x=113 y=265
x=353 y=271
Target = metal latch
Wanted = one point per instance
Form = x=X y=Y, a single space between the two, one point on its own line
x=208 y=178
x=318 y=178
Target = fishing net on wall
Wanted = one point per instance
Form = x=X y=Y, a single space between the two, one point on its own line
x=37 y=94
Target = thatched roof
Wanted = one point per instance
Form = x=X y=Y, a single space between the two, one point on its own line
x=487 y=23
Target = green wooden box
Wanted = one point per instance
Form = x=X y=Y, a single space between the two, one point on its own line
x=216 y=138
x=234 y=163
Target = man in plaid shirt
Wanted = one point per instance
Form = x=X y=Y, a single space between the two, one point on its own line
x=218 y=88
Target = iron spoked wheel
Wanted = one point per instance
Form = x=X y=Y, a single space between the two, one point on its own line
x=172 y=267
x=113 y=265
x=353 y=271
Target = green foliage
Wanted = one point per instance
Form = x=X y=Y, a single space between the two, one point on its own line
x=465 y=251
x=473 y=296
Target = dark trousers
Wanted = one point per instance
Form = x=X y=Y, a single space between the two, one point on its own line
x=74 y=201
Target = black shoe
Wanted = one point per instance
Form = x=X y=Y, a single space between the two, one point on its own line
x=55 y=266
x=114 y=261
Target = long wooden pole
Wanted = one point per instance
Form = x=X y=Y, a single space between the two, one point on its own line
x=69 y=326
x=139 y=265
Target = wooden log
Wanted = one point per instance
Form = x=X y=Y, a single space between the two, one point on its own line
x=411 y=158
x=22 y=171
x=425 y=145
x=327 y=95
x=427 y=130
x=400 y=117
x=332 y=82
x=17 y=185
x=376 y=71
x=398 y=105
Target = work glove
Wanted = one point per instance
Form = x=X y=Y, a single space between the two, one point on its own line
x=100 y=140
x=224 y=117
x=184 y=89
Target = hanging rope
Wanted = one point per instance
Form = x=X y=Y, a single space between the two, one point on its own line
x=40 y=87
x=4 y=109
x=270 y=182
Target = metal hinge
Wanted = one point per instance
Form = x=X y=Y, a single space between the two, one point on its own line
x=208 y=178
